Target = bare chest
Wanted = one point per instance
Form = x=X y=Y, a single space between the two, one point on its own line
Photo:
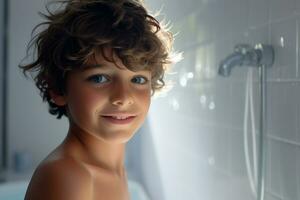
x=109 y=187
x=110 y=191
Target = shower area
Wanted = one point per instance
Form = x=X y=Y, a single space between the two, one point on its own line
x=227 y=128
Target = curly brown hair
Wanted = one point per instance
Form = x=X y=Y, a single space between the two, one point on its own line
x=80 y=28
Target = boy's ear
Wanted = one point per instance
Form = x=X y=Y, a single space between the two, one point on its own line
x=59 y=100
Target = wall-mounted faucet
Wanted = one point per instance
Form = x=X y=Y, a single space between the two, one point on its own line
x=260 y=56
x=246 y=55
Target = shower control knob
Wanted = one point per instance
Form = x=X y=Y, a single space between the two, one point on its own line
x=267 y=54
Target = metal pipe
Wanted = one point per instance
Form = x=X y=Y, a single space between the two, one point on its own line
x=4 y=150
x=263 y=134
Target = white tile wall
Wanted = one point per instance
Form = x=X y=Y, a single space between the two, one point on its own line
x=284 y=170
x=281 y=9
x=222 y=24
x=283 y=101
x=283 y=37
x=258 y=13
x=271 y=197
x=298 y=167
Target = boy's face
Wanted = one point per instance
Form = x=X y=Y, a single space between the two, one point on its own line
x=107 y=90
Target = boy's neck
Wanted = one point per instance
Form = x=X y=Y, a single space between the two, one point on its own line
x=92 y=150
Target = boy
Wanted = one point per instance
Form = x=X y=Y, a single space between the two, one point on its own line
x=98 y=64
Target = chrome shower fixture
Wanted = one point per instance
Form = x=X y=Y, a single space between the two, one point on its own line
x=246 y=55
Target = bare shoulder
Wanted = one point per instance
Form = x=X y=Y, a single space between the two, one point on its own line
x=62 y=179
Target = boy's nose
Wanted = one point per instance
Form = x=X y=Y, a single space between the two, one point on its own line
x=121 y=96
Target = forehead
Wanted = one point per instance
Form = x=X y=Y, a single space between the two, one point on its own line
x=108 y=61
x=113 y=69
x=106 y=66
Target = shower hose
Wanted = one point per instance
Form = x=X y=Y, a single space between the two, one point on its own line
x=255 y=171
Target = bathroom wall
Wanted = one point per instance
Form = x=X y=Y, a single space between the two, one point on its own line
x=197 y=128
x=30 y=128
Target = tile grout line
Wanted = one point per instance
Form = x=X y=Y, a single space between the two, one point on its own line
x=276 y=138
x=277 y=196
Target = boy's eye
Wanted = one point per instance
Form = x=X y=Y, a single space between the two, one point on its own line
x=100 y=78
x=97 y=78
x=140 y=79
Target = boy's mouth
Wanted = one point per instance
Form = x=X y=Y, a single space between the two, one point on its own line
x=119 y=115
x=119 y=119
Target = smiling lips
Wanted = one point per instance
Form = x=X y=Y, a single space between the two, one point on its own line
x=119 y=119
